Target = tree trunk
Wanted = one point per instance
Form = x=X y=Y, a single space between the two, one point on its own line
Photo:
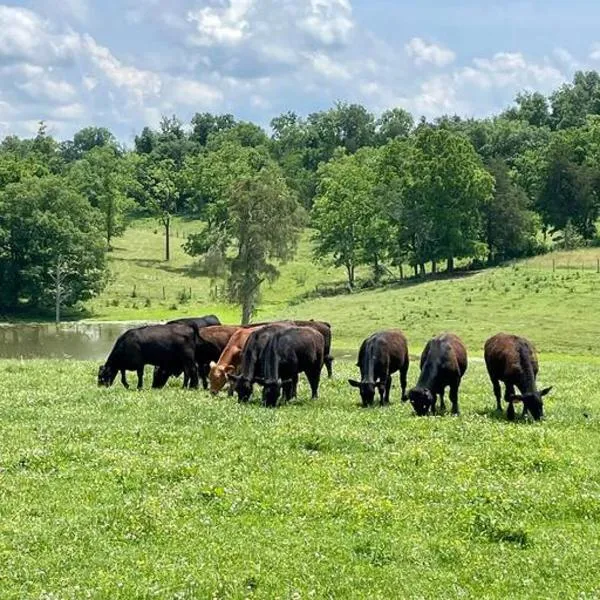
x=247 y=310
x=401 y=273
x=416 y=269
x=58 y=290
x=433 y=266
x=450 y=264
x=422 y=269
x=167 y=222
x=350 y=271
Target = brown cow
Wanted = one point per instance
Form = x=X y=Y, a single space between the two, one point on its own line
x=443 y=363
x=512 y=360
x=229 y=360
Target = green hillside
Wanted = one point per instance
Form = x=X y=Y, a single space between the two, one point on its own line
x=556 y=308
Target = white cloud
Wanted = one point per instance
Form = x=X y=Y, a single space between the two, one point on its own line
x=595 y=51
x=226 y=26
x=328 y=68
x=422 y=52
x=193 y=93
x=329 y=21
x=89 y=83
x=140 y=83
x=69 y=112
x=24 y=35
x=44 y=88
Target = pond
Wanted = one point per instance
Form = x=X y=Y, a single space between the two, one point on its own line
x=80 y=341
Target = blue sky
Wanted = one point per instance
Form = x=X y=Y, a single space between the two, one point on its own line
x=124 y=63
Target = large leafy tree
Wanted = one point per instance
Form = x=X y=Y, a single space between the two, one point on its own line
x=105 y=179
x=43 y=223
x=572 y=103
x=253 y=221
x=351 y=227
x=509 y=224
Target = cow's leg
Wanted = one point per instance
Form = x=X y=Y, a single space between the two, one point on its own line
x=124 y=379
x=386 y=393
x=186 y=379
x=314 y=377
x=329 y=366
x=203 y=370
x=442 y=403
x=498 y=394
x=191 y=371
x=403 y=374
x=140 y=374
x=454 y=397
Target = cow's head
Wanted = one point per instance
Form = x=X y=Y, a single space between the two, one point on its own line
x=271 y=390
x=106 y=376
x=242 y=386
x=422 y=400
x=160 y=377
x=217 y=376
x=533 y=403
x=367 y=390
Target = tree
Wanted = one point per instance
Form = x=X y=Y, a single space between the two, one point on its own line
x=509 y=225
x=394 y=123
x=532 y=108
x=85 y=140
x=206 y=124
x=103 y=177
x=162 y=196
x=572 y=103
x=42 y=223
x=349 y=222
x=259 y=222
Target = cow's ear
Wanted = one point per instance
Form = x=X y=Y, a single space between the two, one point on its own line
x=259 y=380
x=515 y=398
x=285 y=381
x=354 y=383
x=212 y=364
x=234 y=378
x=546 y=391
x=228 y=369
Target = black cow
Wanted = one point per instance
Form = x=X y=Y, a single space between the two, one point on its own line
x=211 y=342
x=443 y=363
x=325 y=330
x=289 y=352
x=512 y=359
x=380 y=356
x=205 y=321
x=172 y=347
x=251 y=361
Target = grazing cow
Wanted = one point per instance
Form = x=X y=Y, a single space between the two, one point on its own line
x=251 y=360
x=513 y=360
x=171 y=347
x=380 y=356
x=231 y=357
x=289 y=352
x=205 y=321
x=210 y=344
x=229 y=360
x=443 y=363
x=325 y=330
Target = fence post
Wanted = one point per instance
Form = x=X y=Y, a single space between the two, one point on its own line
x=164 y=295
x=598 y=265
x=553 y=265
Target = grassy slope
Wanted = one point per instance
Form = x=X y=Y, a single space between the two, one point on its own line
x=138 y=259
x=115 y=494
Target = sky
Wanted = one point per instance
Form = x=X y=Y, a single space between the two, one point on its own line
x=122 y=64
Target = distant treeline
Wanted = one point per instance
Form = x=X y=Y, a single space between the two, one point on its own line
x=380 y=191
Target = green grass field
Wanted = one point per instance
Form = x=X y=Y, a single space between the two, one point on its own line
x=175 y=494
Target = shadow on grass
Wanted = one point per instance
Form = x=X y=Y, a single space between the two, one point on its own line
x=39 y=315
x=342 y=288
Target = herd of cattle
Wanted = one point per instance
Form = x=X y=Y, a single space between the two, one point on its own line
x=274 y=354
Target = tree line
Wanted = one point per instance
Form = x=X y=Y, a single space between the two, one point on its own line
x=385 y=192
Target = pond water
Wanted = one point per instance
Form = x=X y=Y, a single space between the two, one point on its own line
x=80 y=341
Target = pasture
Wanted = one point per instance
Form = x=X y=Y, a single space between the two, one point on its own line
x=175 y=494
